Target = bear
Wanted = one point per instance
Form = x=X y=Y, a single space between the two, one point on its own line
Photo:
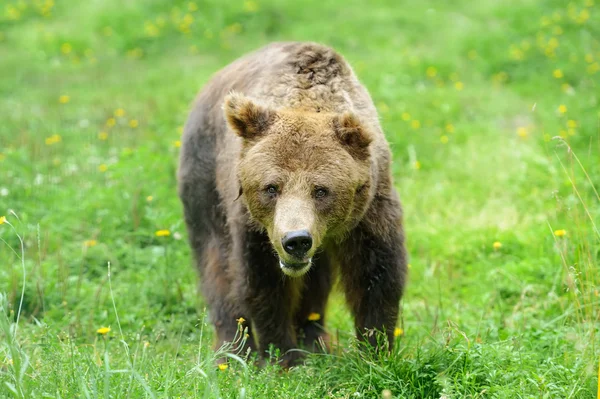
x=285 y=181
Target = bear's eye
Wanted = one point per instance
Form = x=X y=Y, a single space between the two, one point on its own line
x=271 y=189
x=321 y=192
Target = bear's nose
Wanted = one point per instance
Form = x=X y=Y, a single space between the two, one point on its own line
x=297 y=243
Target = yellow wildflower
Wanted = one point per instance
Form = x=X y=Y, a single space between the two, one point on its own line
x=593 y=68
x=64 y=99
x=500 y=77
x=66 y=48
x=133 y=123
x=431 y=71
x=135 y=53
x=459 y=86
x=417 y=165
x=398 y=332
x=572 y=124
x=250 y=6
x=55 y=138
x=383 y=107
x=162 y=233
x=565 y=87
x=13 y=12
x=444 y=139
x=560 y=233
x=119 y=112
x=562 y=108
x=102 y=135
x=522 y=132
x=149 y=198
x=103 y=330
x=184 y=28
x=146 y=344
x=102 y=168
x=497 y=245
x=177 y=143
x=584 y=15
x=545 y=21
x=241 y=320
x=405 y=116
x=415 y=124
x=2 y=219
x=151 y=29
x=236 y=27
x=110 y=122
x=558 y=74
x=450 y=128
x=516 y=53
x=90 y=243
x=314 y=316
x=223 y=366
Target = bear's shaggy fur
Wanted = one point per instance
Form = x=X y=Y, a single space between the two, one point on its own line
x=286 y=142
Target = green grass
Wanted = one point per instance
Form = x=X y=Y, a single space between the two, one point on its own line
x=471 y=95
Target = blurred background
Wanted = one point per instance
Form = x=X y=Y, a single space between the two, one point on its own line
x=492 y=112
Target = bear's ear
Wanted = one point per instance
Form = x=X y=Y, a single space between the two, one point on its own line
x=247 y=119
x=353 y=135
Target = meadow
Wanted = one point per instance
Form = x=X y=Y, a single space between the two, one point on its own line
x=492 y=110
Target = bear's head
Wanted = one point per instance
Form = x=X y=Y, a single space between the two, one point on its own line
x=305 y=177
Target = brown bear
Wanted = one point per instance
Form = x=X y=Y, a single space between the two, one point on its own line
x=285 y=182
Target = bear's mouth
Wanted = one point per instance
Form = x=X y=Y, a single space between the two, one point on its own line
x=294 y=269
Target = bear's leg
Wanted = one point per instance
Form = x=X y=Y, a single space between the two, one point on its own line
x=271 y=298
x=210 y=241
x=310 y=317
x=231 y=322
x=226 y=314
x=373 y=272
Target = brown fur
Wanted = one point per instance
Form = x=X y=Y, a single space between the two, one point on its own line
x=286 y=139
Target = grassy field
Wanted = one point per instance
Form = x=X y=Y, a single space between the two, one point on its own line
x=493 y=113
